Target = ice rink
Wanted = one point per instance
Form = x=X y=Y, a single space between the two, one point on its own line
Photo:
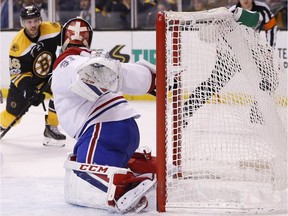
x=32 y=175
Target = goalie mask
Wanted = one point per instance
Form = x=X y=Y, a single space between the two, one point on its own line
x=76 y=32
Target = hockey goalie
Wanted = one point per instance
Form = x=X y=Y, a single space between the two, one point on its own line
x=105 y=169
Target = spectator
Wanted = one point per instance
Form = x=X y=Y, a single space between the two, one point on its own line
x=85 y=6
x=147 y=13
x=171 y=4
x=16 y=11
x=100 y=20
x=119 y=13
x=199 y=5
x=68 y=9
x=42 y=6
x=151 y=17
x=4 y=14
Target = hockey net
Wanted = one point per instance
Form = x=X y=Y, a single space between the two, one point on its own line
x=221 y=116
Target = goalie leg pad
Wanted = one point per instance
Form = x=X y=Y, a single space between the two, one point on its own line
x=80 y=192
x=85 y=185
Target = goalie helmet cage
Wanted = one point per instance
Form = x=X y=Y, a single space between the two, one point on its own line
x=221 y=116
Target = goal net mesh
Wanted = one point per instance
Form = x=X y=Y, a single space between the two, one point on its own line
x=225 y=116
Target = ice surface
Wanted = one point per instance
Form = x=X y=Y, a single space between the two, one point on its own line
x=32 y=175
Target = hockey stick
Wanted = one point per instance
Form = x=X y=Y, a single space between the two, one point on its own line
x=28 y=105
x=213 y=85
x=1 y=97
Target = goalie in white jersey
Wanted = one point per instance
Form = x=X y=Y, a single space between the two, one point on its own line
x=87 y=89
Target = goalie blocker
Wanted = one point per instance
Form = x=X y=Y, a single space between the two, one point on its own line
x=125 y=189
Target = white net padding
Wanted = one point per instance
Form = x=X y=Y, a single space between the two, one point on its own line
x=226 y=116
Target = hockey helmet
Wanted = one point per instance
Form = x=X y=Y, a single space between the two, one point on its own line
x=29 y=12
x=76 y=32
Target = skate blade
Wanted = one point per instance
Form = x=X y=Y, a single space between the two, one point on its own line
x=50 y=142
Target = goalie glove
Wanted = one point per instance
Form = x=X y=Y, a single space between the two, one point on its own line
x=102 y=72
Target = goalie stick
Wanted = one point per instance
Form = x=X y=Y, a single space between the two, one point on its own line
x=28 y=105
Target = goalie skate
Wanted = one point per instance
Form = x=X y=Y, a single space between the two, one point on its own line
x=53 y=137
x=135 y=200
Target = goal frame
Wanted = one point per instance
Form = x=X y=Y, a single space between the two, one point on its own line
x=160 y=117
x=162 y=110
x=160 y=107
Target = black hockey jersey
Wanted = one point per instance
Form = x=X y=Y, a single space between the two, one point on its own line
x=34 y=57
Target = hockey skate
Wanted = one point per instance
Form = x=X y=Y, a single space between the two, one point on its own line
x=53 y=137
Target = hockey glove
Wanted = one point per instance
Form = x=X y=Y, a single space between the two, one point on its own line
x=30 y=92
x=36 y=98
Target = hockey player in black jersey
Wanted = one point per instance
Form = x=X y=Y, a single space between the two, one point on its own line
x=32 y=54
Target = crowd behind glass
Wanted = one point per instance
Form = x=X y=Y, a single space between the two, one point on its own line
x=119 y=14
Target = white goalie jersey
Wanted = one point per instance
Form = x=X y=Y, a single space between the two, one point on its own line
x=83 y=92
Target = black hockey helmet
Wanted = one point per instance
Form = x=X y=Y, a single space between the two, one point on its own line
x=29 y=12
x=76 y=32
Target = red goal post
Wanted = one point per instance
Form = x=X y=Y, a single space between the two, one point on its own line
x=221 y=116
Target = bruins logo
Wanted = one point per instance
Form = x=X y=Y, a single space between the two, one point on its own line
x=15 y=47
x=42 y=64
